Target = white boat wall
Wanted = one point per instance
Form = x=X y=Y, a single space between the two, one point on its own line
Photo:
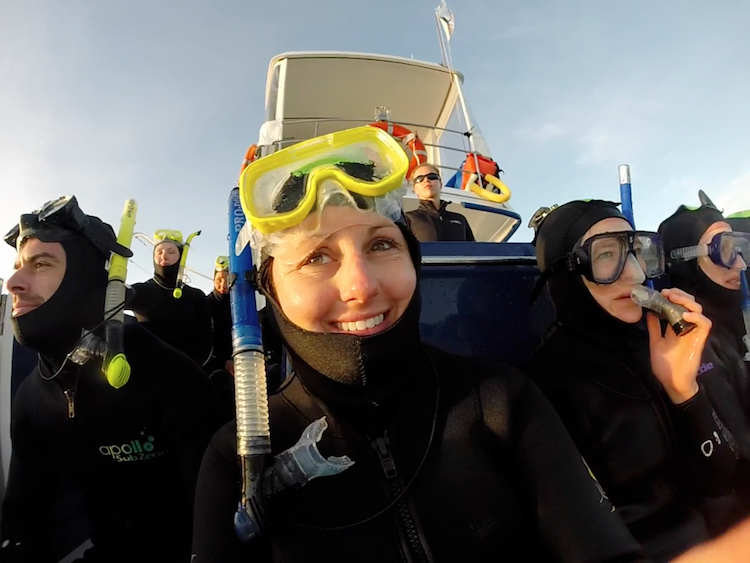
x=314 y=93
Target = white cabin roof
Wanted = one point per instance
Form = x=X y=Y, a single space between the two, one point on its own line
x=307 y=86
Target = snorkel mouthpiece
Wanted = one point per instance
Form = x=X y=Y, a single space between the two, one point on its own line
x=177 y=293
x=672 y=312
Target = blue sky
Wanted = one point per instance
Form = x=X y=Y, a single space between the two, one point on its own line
x=159 y=100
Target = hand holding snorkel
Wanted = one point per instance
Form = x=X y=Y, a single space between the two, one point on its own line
x=675 y=360
x=177 y=293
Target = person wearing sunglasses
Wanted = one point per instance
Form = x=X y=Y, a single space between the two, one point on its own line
x=431 y=221
x=454 y=459
x=132 y=451
x=184 y=322
x=706 y=258
x=628 y=396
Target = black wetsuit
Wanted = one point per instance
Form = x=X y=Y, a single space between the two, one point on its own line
x=724 y=372
x=648 y=454
x=133 y=453
x=184 y=323
x=221 y=314
x=430 y=224
x=653 y=458
x=497 y=480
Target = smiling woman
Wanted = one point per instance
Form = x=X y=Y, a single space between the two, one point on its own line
x=455 y=459
x=356 y=276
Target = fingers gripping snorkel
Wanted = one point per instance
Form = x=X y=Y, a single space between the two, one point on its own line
x=177 y=293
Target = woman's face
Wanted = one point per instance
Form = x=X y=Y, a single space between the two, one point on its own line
x=426 y=188
x=728 y=278
x=354 y=275
x=615 y=297
x=166 y=254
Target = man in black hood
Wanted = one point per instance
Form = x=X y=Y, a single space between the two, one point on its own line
x=134 y=451
x=184 y=323
x=716 y=286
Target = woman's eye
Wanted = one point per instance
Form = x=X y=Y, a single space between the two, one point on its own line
x=604 y=256
x=316 y=260
x=383 y=244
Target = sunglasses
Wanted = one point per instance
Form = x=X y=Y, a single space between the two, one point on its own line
x=422 y=177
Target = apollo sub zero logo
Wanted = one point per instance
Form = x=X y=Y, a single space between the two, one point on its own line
x=136 y=450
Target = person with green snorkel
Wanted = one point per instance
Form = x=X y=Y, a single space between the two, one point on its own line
x=172 y=310
x=124 y=417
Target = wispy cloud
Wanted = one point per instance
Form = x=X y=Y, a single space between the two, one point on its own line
x=735 y=196
x=598 y=130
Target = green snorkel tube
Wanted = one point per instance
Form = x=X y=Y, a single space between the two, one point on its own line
x=111 y=349
x=177 y=293
x=116 y=367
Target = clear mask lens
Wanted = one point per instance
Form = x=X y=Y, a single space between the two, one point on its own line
x=608 y=253
x=729 y=245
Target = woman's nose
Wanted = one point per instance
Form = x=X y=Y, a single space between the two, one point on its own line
x=357 y=279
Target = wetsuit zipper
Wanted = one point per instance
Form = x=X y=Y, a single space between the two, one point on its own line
x=382 y=447
x=69 y=397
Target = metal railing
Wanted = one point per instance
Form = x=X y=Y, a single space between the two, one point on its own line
x=446 y=169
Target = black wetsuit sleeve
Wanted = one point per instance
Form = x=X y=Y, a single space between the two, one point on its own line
x=575 y=520
x=707 y=447
x=204 y=326
x=191 y=418
x=138 y=301
x=27 y=523
x=216 y=499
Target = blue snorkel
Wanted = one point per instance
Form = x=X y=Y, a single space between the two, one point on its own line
x=251 y=399
x=746 y=313
x=294 y=467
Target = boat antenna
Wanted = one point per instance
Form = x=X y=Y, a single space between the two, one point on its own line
x=446 y=23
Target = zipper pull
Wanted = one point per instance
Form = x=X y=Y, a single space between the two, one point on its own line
x=71 y=406
x=382 y=447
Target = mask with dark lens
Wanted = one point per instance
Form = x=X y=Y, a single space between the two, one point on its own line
x=57 y=220
x=723 y=249
x=601 y=258
x=422 y=177
x=293 y=190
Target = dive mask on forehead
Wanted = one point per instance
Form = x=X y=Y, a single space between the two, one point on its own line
x=365 y=164
x=168 y=235
x=61 y=218
x=221 y=264
x=722 y=250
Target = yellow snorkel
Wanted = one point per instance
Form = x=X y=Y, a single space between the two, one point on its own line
x=177 y=293
x=115 y=366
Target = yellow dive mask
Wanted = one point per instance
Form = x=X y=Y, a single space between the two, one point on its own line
x=168 y=235
x=279 y=191
x=221 y=264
